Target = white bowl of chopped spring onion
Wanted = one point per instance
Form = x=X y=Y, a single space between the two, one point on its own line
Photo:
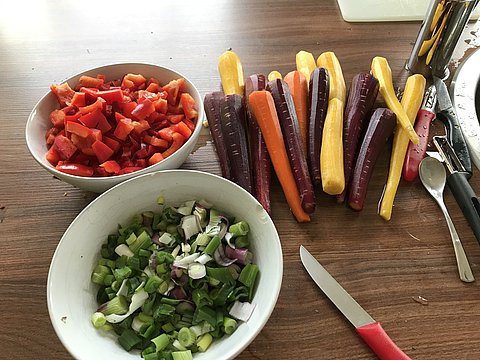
x=176 y=264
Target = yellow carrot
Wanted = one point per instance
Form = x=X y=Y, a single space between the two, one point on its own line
x=231 y=73
x=274 y=75
x=338 y=90
x=305 y=63
x=331 y=153
x=411 y=102
x=381 y=70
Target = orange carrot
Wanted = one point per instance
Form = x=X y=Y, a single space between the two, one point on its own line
x=297 y=83
x=263 y=107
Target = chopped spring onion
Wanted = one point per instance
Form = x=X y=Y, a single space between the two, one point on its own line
x=239 y=229
x=204 y=342
x=172 y=281
x=98 y=319
x=123 y=249
x=229 y=324
x=182 y=355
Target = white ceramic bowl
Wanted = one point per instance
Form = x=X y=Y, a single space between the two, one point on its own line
x=71 y=294
x=38 y=123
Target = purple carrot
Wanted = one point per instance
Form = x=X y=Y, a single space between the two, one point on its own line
x=293 y=143
x=260 y=159
x=380 y=128
x=212 y=110
x=318 y=101
x=362 y=96
x=232 y=119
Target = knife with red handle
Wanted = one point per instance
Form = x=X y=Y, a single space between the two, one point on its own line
x=416 y=152
x=369 y=330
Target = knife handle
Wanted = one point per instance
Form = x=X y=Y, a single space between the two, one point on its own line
x=466 y=199
x=455 y=138
x=379 y=341
x=416 y=152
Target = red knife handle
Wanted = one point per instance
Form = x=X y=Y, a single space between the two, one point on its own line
x=416 y=153
x=381 y=344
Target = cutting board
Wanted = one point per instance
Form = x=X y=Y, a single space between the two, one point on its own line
x=387 y=10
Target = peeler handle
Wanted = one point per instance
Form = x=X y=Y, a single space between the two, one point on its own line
x=466 y=199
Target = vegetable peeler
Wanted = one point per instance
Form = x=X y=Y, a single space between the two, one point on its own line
x=457 y=181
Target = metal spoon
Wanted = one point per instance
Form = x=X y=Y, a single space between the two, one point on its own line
x=433 y=177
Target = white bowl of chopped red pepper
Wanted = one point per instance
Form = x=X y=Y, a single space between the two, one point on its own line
x=106 y=125
x=176 y=264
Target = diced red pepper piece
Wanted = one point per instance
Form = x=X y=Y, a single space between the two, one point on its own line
x=92 y=119
x=124 y=127
x=111 y=96
x=140 y=126
x=182 y=85
x=155 y=158
x=112 y=143
x=75 y=169
x=155 y=141
x=129 y=169
x=118 y=116
x=83 y=144
x=102 y=151
x=175 y=109
x=154 y=87
x=183 y=129
x=127 y=108
x=166 y=133
x=81 y=158
x=64 y=147
x=190 y=124
x=189 y=106
x=103 y=124
x=52 y=156
x=172 y=89
x=161 y=106
x=146 y=94
x=98 y=104
x=63 y=92
x=111 y=166
x=90 y=82
x=153 y=80
x=144 y=108
x=133 y=80
x=73 y=118
x=50 y=135
x=96 y=135
x=140 y=163
x=57 y=117
x=76 y=128
x=78 y=99
x=175 y=119
x=178 y=141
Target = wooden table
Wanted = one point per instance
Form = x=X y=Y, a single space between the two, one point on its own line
x=384 y=265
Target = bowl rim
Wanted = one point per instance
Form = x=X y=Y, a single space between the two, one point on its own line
x=277 y=287
x=122 y=177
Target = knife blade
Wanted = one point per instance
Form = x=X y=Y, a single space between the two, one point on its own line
x=370 y=331
x=446 y=113
x=416 y=152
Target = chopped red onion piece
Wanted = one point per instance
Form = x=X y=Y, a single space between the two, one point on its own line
x=241 y=254
x=242 y=310
x=156 y=239
x=221 y=258
x=179 y=293
x=152 y=262
x=223 y=230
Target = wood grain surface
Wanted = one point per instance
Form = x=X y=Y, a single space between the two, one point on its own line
x=383 y=265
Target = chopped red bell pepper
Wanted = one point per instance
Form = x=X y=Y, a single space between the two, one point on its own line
x=124 y=127
x=161 y=106
x=174 y=119
x=92 y=119
x=112 y=143
x=75 y=169
x=172 y=89
x=183 y=129
x=64 y=147
x=189 y=106
x=102 y=151
x=52 y=156
x=76 y=128
x=98 y=104
x=144 y=108
x=178 y=141
x=90 y=82
x=57 y=117
x=111 y=166
x=78 y=99
x=155 y=158
x=63 y=92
